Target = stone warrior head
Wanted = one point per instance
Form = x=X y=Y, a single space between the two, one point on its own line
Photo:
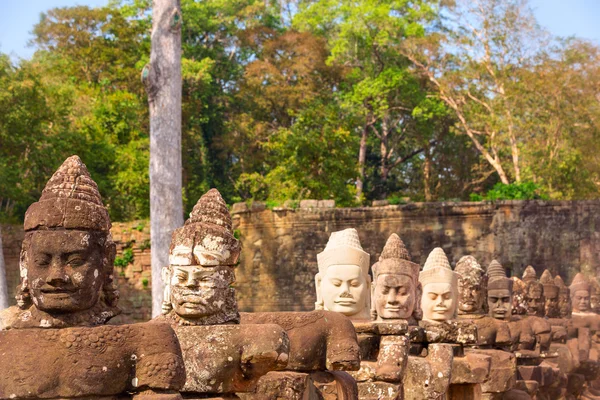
x=343 y=283
x=564 y=297
x=472 y=287
x=551 y=307
x=202 y=257
x=440 y=288
x=500 y=292
x=396 y=288
x=580 y=294
x=534 y=293
x=67 y=255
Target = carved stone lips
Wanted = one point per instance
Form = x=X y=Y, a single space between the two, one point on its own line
x=345 y=302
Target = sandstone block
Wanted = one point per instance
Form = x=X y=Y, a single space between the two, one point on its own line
x=472 y=368
x=503 y=369
x=392 y=358
x=379 y=391
x=309 y=204
x=258 y=206
x=239 y=208
x=326 y=204
x=380 y=203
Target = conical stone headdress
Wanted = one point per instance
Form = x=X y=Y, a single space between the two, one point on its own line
x=206 y=238
x=580 y=282
x=497 y=277
x=529 y=275
x=560 y=284
x=70 y=200
x=437 y=269
x=343 y=248
x=469 y=270
x=550 y=288
x=395 y=259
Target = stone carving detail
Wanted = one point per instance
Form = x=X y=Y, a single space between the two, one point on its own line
x=440 y=288
x=500 y=292
x=67 y=282
x=67 y=256
x=220 y=356
x=580 y=294
x=343 y=283
x=396 y=289
x=564 y=297
x=472 y=287
x=534 y=293
x=551 y=307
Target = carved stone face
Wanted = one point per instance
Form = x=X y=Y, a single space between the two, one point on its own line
x=344 y=289
x=470 y=297
x=65 y=270
x=395 y=296
x=581 y=301
x=564 y=304
x=500 y=303
x=551 y=308
x=438 y=302
x=198 y=292
x=534 y=299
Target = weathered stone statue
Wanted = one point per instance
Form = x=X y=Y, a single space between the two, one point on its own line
x=564 y=298
x=472 y=288
x=396 y=289
x=551 y=307
x=580 y=295
x=440 y=288
x=534 y=293
x=66 y=257
x=499 y=296
x=67 y=282
x=220 y=355
x=343 y=282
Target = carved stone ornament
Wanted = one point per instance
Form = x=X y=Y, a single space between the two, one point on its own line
x=343 y=283
x=396 y=288
x=440 y=288
x=67 y=257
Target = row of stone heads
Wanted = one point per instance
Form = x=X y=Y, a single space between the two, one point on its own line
x=400 y=289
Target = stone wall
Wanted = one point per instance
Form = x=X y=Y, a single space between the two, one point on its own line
x=278 y=261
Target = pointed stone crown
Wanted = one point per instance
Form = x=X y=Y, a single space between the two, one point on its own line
x=497 y=277
x=529 y=275
x=469 y=270
x=395 y=259
x=206 y=238
x=560 y=284
x=437 y=269
x=70 y=200
x=550 y=288
x=343 y=248
x=580 y=282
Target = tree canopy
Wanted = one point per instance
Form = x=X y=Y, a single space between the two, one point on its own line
x=288 y=100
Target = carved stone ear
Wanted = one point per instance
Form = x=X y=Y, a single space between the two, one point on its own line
x=372 y=306
x=319 y=303
x=418 y=312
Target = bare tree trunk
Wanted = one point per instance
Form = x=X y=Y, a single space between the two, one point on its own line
x=362 y=158
x=162 y=78
x=385 y=168
x=427 y=174
x=3 y=285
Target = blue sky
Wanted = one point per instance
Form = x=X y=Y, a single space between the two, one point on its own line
x=560 y=17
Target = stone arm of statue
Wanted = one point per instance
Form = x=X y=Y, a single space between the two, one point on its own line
x=319 y=340
x=264 y=349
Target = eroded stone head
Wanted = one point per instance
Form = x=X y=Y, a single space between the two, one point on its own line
x=67 y=255
x=551 y=307
x=564 y=297
x=343 y=283
x=396 y=288
x=500 y=292
x=440 y=288
x=202 y=257
x=472 y=286
x=580 y=294
x=534 y=293
x=595 y=295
